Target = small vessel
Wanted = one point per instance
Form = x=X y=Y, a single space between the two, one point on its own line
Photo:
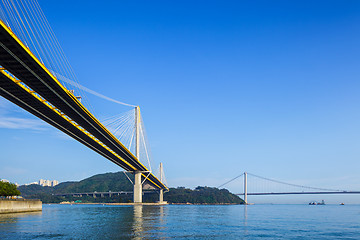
x=342 y=203
x=317 y=203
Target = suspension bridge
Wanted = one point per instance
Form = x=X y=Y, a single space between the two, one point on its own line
x=36 y=75
x=260 y=186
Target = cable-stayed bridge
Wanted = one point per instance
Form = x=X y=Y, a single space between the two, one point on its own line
x=254 y=185
x=35 y=75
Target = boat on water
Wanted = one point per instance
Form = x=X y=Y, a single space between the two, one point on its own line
x=342 y=203
x=317 y=203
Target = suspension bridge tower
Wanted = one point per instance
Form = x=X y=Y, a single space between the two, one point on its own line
x=245 y=188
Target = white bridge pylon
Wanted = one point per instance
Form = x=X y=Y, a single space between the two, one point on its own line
x=130 y=130
x=137 y=179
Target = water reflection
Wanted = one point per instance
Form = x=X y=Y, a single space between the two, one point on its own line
x=138 y=222
x=13 y=217
x=8 y=218
x=161 y=215
x=245 y=219
x=149 y=222
x=245 y=215
x=10 y=222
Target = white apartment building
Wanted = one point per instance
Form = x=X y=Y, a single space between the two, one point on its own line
x=48 y=183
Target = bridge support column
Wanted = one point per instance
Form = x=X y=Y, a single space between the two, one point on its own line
x=137 y=188
x=245 y=188
x=161 y=196
x=137 y=180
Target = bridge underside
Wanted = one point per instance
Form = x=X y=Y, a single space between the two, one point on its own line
x=10 y=90
x=36 y=90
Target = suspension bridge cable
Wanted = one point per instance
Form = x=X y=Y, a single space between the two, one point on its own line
x=28 y=22
x=295 y=185
x=230 y=180
x=95 y=93
x=144 y=141
x=131 y=138
x=49 y=33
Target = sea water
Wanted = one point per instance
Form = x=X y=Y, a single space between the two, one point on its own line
x=184 y=222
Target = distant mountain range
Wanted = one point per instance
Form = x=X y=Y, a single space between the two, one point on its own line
x=115 y=182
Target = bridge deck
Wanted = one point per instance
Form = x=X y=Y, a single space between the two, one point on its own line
x=99 y=193
x=19 y=61
x=297 y=193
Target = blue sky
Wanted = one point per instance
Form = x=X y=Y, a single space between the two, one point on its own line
x=271 y=88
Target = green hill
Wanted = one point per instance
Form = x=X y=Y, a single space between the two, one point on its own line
x=100 y=183
x=202 y=195
x=118 y=182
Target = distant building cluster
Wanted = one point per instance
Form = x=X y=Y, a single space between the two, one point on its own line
x=48 y=183
x=41 y=182
x=45 y=183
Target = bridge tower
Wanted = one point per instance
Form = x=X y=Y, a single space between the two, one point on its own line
x=245 y=187
x=161 y=197
x=137 y=180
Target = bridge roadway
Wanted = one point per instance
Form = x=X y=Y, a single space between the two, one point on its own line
x=296 y=193
x=36 y=90
x=102 y=194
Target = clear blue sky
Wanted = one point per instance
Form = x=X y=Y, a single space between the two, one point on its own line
x=268 y=87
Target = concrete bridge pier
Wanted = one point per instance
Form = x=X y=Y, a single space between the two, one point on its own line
x=161 y=196
x=137 y=188
x=137 y=180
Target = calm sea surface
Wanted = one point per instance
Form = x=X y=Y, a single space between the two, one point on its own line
x=184 y=222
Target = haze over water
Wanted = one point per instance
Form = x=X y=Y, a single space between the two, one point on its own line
x=185 y=222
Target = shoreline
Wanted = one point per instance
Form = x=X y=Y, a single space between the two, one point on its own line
x=119 y=204
x=144 y=204
x=19 y=205
x=206 y=204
